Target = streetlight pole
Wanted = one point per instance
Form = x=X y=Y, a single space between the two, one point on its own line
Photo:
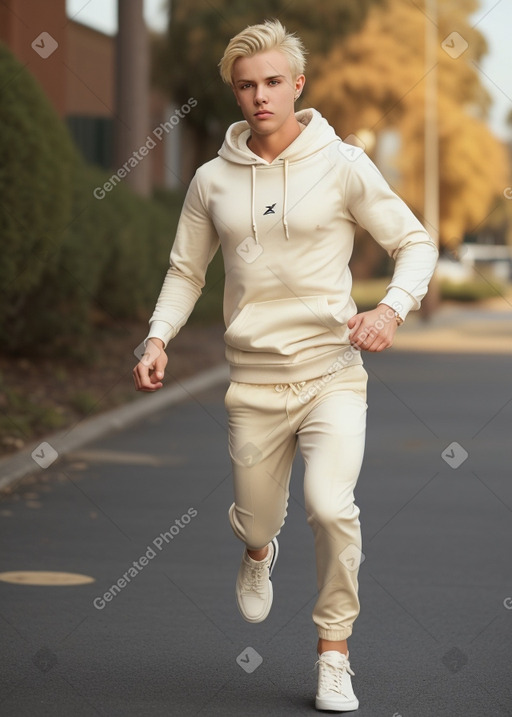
x=431 y=197
x=132 y=93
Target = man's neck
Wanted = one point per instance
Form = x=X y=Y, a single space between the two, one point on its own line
x=268 y=147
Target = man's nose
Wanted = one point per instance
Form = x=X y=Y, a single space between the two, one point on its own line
x=260 y=96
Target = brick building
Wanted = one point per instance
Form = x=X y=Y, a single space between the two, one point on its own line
x=76 y=66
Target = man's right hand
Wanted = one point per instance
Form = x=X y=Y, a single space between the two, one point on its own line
x=148 y=374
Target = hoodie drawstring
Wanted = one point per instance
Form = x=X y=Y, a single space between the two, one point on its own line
x=285 y=202
x=253 y=201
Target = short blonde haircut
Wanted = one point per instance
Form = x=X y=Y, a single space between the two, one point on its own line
x=270 y=35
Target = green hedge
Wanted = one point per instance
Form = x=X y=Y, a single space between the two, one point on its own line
x=67 y=257
x=37 y=163
x=472 y=289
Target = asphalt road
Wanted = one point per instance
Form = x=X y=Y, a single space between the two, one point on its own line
x=434 y=633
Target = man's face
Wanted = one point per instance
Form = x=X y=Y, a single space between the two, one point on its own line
x=265 y=90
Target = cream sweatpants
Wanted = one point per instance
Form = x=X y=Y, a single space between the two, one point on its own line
x=327 y=418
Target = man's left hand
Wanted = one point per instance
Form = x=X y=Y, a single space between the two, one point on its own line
x=373 y=330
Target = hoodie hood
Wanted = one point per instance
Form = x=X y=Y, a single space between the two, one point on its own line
x=316 y=135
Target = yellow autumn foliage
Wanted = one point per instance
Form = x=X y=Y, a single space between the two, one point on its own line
x=375 y=80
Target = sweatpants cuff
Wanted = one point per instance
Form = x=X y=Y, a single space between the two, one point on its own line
x=339 y=633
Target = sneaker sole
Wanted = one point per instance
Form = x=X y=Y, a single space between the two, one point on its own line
x=264 y=615
x=326 y=703
x=274 y=557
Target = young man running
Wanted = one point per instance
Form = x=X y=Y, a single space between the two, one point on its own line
x=282 y=201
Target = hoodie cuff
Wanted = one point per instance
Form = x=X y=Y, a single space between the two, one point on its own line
x=400 y=301
x=161 y=330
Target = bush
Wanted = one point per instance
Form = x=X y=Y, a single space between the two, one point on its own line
x=368 y=292
x=37 y=163
x=68 y=257
x=61 y=317
x=110 y=266
x=471 y=290
x=140 y=239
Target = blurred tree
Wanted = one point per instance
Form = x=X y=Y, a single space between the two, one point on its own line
x=185 y=61
x=375 y=80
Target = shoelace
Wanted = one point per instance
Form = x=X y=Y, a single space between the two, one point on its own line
x=331 y=678
x=255 y=578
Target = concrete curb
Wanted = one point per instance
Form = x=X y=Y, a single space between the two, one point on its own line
x=14 y=468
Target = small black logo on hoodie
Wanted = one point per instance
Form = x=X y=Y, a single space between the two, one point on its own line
x=270 y=209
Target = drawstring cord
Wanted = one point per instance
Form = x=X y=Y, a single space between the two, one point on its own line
x=253 y=201
x=285 y=203
x=296 y=387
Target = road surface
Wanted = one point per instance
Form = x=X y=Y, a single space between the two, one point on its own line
x=146 y=509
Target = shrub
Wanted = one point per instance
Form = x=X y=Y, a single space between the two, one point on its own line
x=140 y=238
x=471 y=290
x=37 y=164
x=67 y=257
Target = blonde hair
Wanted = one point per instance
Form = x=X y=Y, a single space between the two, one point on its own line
x=270 y=35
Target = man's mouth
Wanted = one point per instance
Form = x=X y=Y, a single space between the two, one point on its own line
x=262 y=113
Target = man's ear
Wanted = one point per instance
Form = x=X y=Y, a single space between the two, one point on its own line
x=299 y=83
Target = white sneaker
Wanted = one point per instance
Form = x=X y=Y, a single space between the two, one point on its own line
x=334 y=684
x=253 y=584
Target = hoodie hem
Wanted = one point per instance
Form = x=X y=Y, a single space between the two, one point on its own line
x=327 y=363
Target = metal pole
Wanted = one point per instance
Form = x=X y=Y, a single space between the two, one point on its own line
x=132 y=96
x=431 y=199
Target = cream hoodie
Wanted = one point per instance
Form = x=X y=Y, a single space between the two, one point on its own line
x=286 y=230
